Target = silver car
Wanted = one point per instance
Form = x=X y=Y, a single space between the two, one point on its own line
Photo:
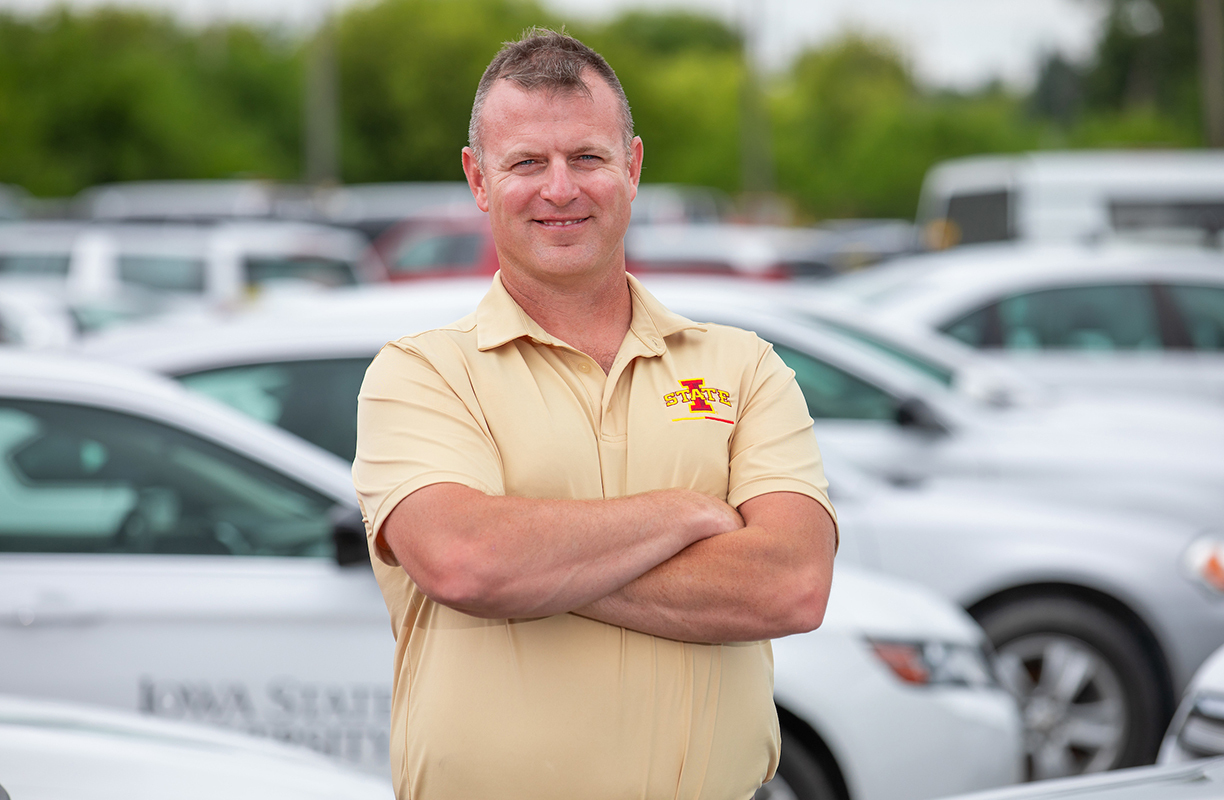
x=1111 y=318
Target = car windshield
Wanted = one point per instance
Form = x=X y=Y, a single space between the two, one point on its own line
x=314 y=399
x=906 y=356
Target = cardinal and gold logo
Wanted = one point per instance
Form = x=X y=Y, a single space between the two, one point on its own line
x=700 y=399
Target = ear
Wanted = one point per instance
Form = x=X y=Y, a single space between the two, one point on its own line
x=635 y=163
x=475 y=179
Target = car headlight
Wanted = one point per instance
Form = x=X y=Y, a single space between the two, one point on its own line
x=935 y=663
x=1204 y=560
x=1202 y=731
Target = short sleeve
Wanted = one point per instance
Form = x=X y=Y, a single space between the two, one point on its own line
x=774 y=448
x=417 y=427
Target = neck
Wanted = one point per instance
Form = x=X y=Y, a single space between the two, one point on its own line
x=592 y=318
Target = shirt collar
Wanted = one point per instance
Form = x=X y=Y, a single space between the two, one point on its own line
x=500 y=320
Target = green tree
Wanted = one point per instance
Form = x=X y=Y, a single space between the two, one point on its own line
x=408 y=71
x=854 y=135
x=117 y=95
x=683 y=75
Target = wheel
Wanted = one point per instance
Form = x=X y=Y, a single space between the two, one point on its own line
x=1089 y=695
x=799 y=776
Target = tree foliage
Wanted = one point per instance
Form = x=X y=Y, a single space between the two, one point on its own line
x=107 y=95
x=117 y=95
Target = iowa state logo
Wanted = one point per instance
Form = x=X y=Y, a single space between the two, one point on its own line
x=700 y=400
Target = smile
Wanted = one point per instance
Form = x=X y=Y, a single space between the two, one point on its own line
x=561 y=223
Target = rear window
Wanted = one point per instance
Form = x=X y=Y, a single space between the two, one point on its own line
x=323 y=271
x=166 y=273
x=979 y=218
x=1202 y=312
x=452 y=250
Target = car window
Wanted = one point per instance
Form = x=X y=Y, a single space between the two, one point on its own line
x=167 y=273
x=1081 y=318
x=77 y=479
x=454 y=250
x=1202 y=310
x=34 y=264
x=980 y=217
x=315 y=399
x=975 y=328
x=832 y=393
x=324 y=271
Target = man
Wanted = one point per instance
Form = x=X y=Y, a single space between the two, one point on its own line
x=587 y=514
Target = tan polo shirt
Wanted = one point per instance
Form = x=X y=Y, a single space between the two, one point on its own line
x=566 y=707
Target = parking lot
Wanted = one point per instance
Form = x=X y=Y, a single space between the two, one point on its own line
x=1022 y=440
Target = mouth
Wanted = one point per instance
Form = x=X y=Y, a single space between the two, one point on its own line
x=561 y=223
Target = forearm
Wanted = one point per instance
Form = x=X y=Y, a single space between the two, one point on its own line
x=503 y=557
x=763 y=581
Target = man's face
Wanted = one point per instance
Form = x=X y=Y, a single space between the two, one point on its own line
x=556 y=181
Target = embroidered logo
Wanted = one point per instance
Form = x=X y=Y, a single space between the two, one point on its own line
x=699 y=399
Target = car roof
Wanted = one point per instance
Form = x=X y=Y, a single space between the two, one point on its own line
x=919 y=289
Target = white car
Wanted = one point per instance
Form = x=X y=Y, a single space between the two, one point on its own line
x=162 y=553
x=1197 y=729
x=52 y=751
x=175 y=265
x=1147 y=320
x=1099 y=619
x=1074 y=196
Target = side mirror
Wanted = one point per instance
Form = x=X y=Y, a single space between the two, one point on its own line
x=349 y=535
x=914 y=413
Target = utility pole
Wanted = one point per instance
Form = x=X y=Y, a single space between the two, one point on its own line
x=322 y=107
x=756 y=160
x=1211 y=69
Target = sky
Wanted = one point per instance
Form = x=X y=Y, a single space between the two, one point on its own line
x=951 y=43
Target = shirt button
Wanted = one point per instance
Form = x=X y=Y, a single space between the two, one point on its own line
x=584 y=366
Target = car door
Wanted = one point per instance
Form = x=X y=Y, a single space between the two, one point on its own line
x=147 y=568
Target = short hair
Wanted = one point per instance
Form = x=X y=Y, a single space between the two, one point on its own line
x=546 y=60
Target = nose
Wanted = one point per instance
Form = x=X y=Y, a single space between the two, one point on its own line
x=559 y=185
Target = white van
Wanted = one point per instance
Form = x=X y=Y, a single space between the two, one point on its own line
x=1075 y=196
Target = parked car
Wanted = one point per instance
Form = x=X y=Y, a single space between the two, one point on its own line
x=1197 y=729
x=183 y=201
x=162 y=553
x=50 y=751
x=1100 y=318
x=898 y=422
x=436 y=245
x=1032 y=560
x=1080 y=196
x=374 y=208
x=752 y=251
x=158 y=267
x=1098 y=617
x=1202 y=780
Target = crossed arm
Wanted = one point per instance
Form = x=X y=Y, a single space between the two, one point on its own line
x=672 y=563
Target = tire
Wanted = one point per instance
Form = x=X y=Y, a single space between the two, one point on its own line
x=1090 y=696
x=799 y=777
